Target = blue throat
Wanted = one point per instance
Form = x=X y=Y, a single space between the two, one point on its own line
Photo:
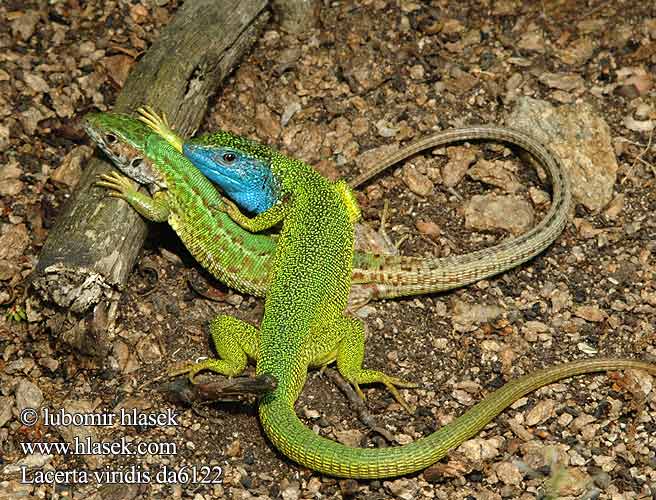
x=247 y=181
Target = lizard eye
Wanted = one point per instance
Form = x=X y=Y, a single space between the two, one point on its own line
x=229 y=157
x=136 y=162
x=110 y=138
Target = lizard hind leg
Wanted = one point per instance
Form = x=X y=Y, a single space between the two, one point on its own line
x=235 y=341
x=350 y=356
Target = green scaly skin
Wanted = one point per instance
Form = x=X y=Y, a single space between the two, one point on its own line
x=188 y=201
x=374 y=276
x=304 y=326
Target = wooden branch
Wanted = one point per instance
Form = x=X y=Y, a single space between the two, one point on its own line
x=296 y=16
x=92 y=248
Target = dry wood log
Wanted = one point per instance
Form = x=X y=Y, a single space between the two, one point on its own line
x=296 y=16
x=89 y=253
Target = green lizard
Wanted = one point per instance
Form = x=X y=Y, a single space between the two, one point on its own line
x=374 y=276
x=303 y=323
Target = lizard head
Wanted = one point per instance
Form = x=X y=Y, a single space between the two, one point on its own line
x=122 y=138
x=241 y=167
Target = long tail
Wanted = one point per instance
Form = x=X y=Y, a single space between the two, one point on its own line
x=395 y=276
x=302 y=445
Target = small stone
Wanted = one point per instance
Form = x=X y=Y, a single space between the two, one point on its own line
x=586 y=229
x=439 y=471
x=403 y=439
x=581 y=421
x=494 y=173
x=139 y=13
x=291 y=492
x=28 y=395
x=8 y=269
x=351 y=438
x=615 y=207
x=385 y=129
x=590 y=313
x=532 y=39
x=428 y=228
x=565 y=419
x=491 y=346
x=70 y=169
x=406 y=489
x=314 y=486
x=642 y=379
x=290 y=110
x=562 y=81
x=50 y=363
x=477 y=449
x=25 y=25
x=14 y=240
x=36 y=83
x=148 y=351
x=538 y=196
x=512 y=213
x=118 y=68
x=540 y=412
x=460 y=158
x=467 y=315
x=581 y=137
x=348 y=487
x=10 y=187
x=125 y=357
x=234 y=449
x=417 y=182
x=532 y=328
x=267 y=122
x=560 y=299
x=20 y=365
x=463 y=397
x=509 y=473
x=6 y=404
x=32 y=461
x=417 y=72
x=310 y=413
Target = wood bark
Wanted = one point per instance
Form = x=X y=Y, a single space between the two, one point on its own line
x=296 y=16
x=92 y=248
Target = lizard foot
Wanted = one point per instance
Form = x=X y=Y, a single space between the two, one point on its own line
x=116 y=184
x=219 y=366
x=229 y=207
x=370 y=376
x=160 y=125
x=191 y=369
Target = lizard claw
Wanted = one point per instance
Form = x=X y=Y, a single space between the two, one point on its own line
x=191 y=369
x=118 y=186
x=160 y=125
x=229 y=207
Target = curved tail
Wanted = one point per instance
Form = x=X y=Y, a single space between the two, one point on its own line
x=299 y=443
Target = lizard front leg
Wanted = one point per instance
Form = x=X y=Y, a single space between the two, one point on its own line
x=153 y=208
x=260 y=222
x=234 y=340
